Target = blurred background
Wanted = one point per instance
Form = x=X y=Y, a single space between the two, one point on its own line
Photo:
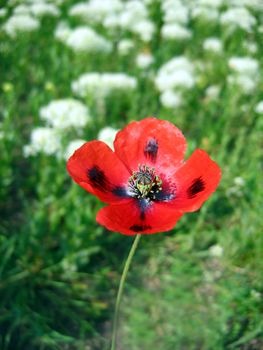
x=77 y=71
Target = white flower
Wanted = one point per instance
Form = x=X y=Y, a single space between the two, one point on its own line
x=216 y=251
x=239 y=181
x=206 y=13
x=170 y=99
x=251 y=47
x=175 y=31
x=3 y=12
x=85 y=39
x=144 y=60
x=125 y=46
x=144 y=29
x=22 y=10
x=175 y=12
x=212 y=91
x=43 y=140
x=259 y=108
x=246 y=83
x=254 y=4
x=176 y=73
x=96 y=10
x=210 y=3
x=212 y=44
x=244 y=65
x=20 y=23
x=62 y=32
x=44 y=9
x=72 y=147
x=65 y=113
x=238 y=18
x=103 y=84
x=107 y=135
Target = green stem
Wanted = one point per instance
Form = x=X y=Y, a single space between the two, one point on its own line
x=120 y=290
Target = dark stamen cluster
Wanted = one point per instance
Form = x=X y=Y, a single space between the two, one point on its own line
x=144 y=183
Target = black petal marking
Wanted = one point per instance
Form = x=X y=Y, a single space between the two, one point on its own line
x=151 y=149
x=197 y=186
x=143 y=206
x=140 y=228
x=98 y=179
x=164 y=196
x=120 y=192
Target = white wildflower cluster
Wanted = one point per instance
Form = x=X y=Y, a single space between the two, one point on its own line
x=207 y=10
x=96 y=11
x=253 y=4
x=175 y=17
x=172 y=78
x=133 y=17
x=244 y=73
x=72 y=147
x=43 y=140
x=125 y=46
x=237 y=188
x=20 y=24
x=107 y=135
x=102 y=84
x=259 y=108
x=82 y=39
x=65 y=113
x=25 y=17
x=59 y=115
x=144 y=60
x=37 y=9
x=238 y=17
x=216 y=251
x=212 y=45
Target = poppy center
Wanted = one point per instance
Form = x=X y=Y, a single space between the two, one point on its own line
x=144 y=183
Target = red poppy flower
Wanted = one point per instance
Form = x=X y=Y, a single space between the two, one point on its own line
x=145 y=181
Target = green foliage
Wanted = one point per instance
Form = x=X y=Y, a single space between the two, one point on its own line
x=59 y=270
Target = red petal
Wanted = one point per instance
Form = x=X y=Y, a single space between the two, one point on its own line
x=195 y=181
x=127 y=218
x=152 y=142
x=95 y=167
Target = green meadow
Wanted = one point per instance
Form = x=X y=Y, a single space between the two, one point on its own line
x=196 y=287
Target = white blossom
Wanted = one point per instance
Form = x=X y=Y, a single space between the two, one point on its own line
x=107 y=135
x=176 y=73
x=206 y=13
x=244 y=65
x=20 y=23
x=85 y=39
x=175 y=31
x=216 y=251
x=43 y=140
x=96 y=10
x=62 y=32
x=44 y=9
x=238 y=17
x=144 y=60
x=212 y=91
x=125 y=46
x=259 y=108
x=103 y=84
x=65 y=113
x=170 y=99
x=72 y=147
x=213 y=45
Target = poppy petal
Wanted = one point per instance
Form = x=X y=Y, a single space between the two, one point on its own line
x=156 y=143
x=195 y=181
x=96 y=168
x=143 y=217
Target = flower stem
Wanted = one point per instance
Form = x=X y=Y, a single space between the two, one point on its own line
x=120 y=291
